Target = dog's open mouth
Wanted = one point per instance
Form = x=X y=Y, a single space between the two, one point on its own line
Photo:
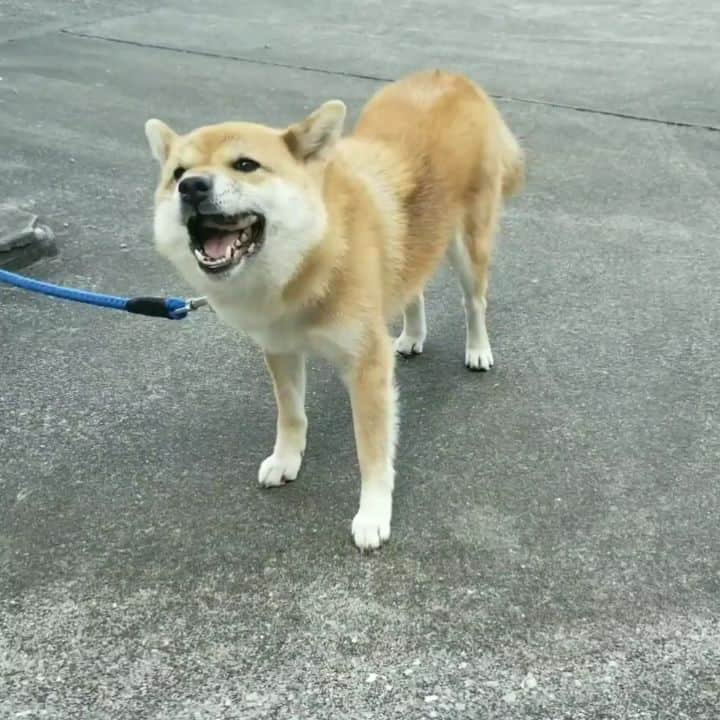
x=219 y=242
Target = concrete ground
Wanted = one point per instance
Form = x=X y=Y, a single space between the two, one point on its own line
x=555 y=541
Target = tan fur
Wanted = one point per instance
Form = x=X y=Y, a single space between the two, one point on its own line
x=430 y=160
x=430 y=154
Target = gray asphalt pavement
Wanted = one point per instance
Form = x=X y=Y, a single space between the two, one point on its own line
x=555 y=539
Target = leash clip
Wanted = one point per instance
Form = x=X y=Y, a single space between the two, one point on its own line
x=191 y=304
x=195 y=303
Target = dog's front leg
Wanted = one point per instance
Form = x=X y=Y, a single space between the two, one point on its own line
x=288 y=374
x=373 y=397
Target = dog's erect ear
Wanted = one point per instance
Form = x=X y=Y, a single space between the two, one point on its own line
x=160 y=137
x=315 y=135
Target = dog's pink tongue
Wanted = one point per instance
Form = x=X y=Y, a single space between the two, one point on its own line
x=216 y=247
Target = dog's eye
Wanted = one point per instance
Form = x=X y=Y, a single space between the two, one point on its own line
x=246 y=165
x=178 y=172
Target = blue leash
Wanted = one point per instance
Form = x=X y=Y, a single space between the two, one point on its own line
x=172 y=308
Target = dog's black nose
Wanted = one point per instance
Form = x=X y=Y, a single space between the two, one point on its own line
x=195 y=189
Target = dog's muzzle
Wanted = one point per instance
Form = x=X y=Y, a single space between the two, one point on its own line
x=195 y=190
x=218 y=241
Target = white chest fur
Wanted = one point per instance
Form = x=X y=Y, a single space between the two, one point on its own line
x=278 y=332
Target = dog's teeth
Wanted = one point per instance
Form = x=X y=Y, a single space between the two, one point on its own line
x=251 y=249
x=198 y=254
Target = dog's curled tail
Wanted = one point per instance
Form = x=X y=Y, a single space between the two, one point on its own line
x=513 y=162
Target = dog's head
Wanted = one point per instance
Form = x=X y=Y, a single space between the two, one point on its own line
x=239 y=202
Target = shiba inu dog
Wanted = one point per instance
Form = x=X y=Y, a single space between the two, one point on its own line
x=310 y=242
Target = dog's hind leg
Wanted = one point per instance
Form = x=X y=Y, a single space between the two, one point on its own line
x=288 y=374
x=469 y=255
x=414 y=330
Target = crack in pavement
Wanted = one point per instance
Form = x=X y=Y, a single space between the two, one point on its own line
x=380 y=78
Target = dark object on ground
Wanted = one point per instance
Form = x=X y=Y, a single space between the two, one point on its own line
x=23 y=240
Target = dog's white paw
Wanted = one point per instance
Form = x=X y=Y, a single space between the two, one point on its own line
x=279 y=469
x=370 y=529
x=479 y=359
x=408 y=345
